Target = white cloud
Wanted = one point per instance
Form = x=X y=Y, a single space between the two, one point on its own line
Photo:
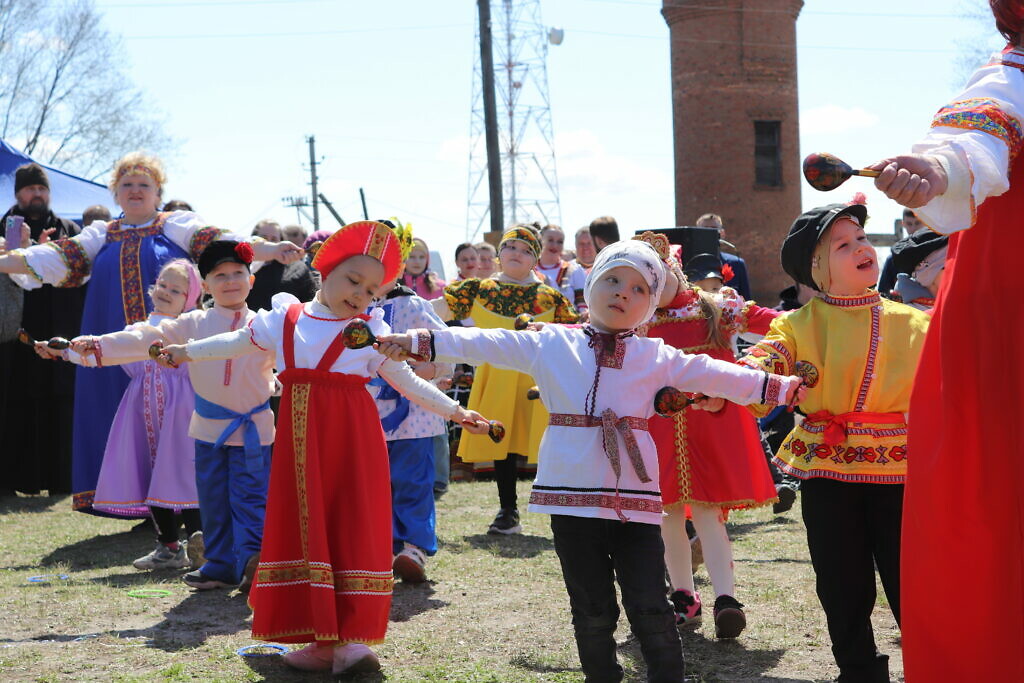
x=832 y=118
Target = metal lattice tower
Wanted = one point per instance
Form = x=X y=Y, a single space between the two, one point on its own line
x=526 y=138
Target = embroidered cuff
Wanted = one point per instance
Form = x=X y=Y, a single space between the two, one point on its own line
x=252 y=336
x=201 y=238
x=772 y=392
x=423 y=343
x=28 y=266
x=76 y=261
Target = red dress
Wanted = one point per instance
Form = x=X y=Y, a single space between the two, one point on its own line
x=963 y=517
x=325 y=565
x=711 y=458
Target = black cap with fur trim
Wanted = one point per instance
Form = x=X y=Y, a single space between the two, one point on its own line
x=224 y=251
x=910 y=251
x=798 y=248
x=30 y=174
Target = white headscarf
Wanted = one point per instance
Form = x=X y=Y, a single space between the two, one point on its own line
x=634 y=254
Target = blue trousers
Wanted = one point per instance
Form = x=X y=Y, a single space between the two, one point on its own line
x=412 y=493
x=233 y=502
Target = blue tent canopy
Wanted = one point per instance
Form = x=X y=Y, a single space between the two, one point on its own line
x=69 y=195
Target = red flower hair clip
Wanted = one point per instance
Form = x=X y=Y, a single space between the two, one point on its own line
x=244 y=251
x=727 y=273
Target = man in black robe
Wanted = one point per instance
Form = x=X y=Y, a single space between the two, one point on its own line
x=36 y=396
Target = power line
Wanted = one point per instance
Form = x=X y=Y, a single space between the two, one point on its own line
x=293 y=34
x=751 y=10
x=203 y=3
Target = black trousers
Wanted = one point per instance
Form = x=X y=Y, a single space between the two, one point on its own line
x=851 y=530
x=596 y=552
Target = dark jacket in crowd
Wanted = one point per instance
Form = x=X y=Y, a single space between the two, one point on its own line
x=274 y=277
x=37 y=396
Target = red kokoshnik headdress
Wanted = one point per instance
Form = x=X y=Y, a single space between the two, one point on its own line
x=368 y=238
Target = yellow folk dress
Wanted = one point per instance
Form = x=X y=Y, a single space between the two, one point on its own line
x=501 y=394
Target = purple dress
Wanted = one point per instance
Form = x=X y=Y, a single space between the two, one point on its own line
x=149 y=459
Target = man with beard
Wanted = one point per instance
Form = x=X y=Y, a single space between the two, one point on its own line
x=36 y=396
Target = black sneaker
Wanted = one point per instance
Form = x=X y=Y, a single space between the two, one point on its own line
x=507 y=522
x=787 y=496
x=729 y=618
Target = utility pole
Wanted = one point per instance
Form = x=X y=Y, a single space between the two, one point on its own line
x=491 y=119
x=312 y=174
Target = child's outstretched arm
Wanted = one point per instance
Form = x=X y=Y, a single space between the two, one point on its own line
x=426 y=395
x=703 y=374
x=131 y=344
x=506 y=349
x=775 y=353
x=218 y=347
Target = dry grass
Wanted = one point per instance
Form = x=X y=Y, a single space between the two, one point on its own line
x=496 y=609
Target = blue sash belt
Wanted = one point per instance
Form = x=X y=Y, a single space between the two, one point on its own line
x=394 y=419
x=250 y=434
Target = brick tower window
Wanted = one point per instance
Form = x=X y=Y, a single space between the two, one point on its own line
x=767 y=153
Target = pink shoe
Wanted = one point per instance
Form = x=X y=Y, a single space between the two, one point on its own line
x=313 y=657
x=410 y=564
x=355 y=658
x=687 y=608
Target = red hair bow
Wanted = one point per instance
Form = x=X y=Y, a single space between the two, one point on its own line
x=244 y=251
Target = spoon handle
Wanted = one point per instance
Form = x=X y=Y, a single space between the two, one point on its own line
x=867 y=172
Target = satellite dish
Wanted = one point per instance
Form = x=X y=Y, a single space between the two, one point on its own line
x=556 y=36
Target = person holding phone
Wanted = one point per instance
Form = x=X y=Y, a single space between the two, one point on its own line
x=36 y=397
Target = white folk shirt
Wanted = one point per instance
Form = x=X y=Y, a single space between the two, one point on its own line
x=975 y=136
x=574 y=474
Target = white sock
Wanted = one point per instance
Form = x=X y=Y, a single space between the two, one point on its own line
x=677 y=549
x=710 y=524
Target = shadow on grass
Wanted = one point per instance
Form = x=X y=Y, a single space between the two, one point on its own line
x=531 y=662
x=102 y=550
x=11 y=503
x=274 y=669
x=725 y=660
x=408 y=600
x=514 y=546
x=775 y=523
x=188 y=624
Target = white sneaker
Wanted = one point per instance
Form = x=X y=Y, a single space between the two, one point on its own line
x=163 y=557
x=410 y=564
x=354 y=658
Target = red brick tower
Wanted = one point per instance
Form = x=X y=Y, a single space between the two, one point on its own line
x=735 y=124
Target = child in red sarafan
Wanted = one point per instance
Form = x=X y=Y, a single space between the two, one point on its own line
x=710 y=462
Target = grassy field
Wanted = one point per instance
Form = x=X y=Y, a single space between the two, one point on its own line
x=494 y=610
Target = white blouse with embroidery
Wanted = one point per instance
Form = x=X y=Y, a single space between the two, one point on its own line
x=975 y=137
x=48 y=266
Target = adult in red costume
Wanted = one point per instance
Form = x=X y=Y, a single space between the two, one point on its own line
x=962 y=609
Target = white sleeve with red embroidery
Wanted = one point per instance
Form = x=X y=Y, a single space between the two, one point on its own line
x=975 y=137
x=699 y=373
x=222 y=346
x=47 y=262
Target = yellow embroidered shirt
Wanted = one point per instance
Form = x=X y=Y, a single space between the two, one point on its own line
x=858 y=356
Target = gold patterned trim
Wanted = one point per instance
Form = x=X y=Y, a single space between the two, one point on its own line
x=300 y=413
x=682 y=455
x=28 y=266
x=318 y=637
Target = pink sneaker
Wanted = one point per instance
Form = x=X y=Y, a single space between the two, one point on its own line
x=355 y=658
x=410 y=564
x=687 y=608
x=313 y=657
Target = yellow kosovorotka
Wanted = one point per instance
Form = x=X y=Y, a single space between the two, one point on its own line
x=858 y=356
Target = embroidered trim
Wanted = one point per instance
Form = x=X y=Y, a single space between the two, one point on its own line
x=772 y=389
x=681 y=439
x=76 y=262
x=985 y=115
x=838 y=476
x=571 y=420
x=300 y=409
x=148 y=368
x=252 y=335
x=28 y=266
x=852 y=301
x=610 y=502
x=744 y=504
x=595 y=489
x=201 y=239
x=82 y=500
x=811 y=428
x=228 y=364
x=781 y=349
x=422 y=341
x=869 y=368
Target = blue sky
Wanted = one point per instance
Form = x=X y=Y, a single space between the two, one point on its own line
x=385 y=87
